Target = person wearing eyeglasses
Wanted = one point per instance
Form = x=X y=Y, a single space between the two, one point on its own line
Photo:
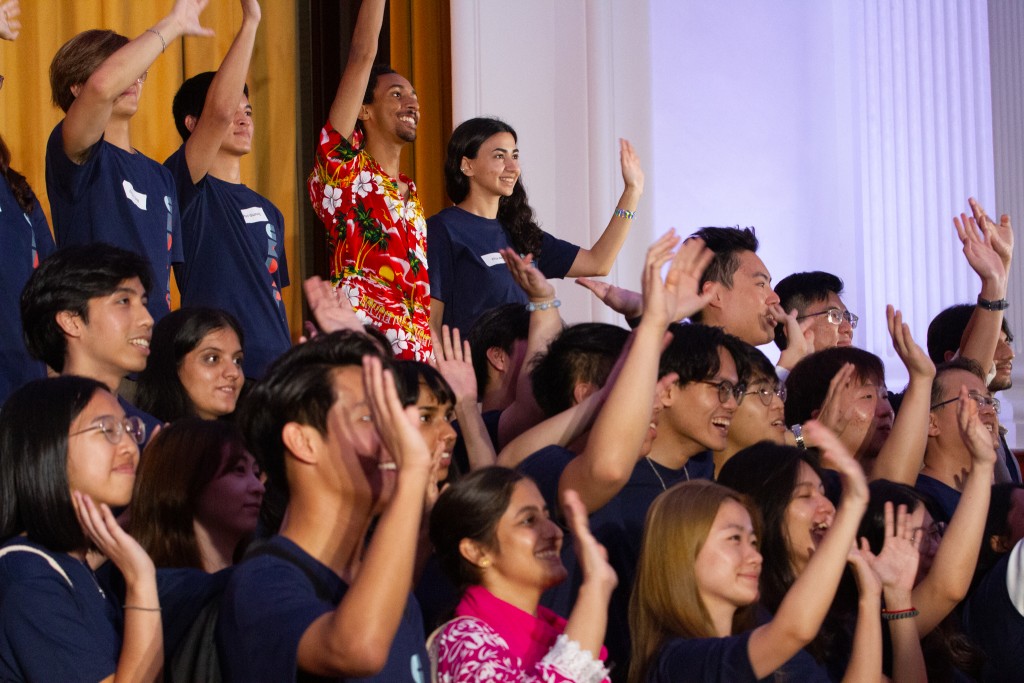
x=84 y=313
x=817 y=297
x=69 y=456
x=947 y=458
x=101 y=188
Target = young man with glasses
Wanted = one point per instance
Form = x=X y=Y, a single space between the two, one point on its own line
x=816 y=297
x=947 y=458
x=84 y=313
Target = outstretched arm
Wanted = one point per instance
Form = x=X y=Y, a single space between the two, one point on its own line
x=455 y=363
x=900 y=457
x=953 y=567
x=598 y=260
x=223 y=97
x=805 y=605
x=345 y=109
x=94 y=100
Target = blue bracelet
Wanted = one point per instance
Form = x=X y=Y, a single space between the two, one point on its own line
x=625 y=214
x=554 y=303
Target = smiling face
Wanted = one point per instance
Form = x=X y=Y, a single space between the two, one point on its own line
x=826 y=334
x=436 y=427
x=230 y=503
x=395 y=110
x=808 y=517
x=115 y=340
x=1003 y=358
x=728 y=565
x=102 y=470
x=744 y=310
x=944 y=427
x=694 y=419
x=870 y=421
x=754 y=421
x=524 y=559
x=238 y=137
x=212 y=373
x=495 y=170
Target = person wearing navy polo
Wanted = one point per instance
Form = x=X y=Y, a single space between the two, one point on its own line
x=319 y=602
x=232 y=238
x=101 y=188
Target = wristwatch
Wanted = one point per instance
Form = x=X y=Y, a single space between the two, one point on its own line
x=798 y=432
x=997 y=305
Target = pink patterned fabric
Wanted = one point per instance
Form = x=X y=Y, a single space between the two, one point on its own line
x=491 y=640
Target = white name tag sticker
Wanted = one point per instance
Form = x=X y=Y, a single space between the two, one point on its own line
x=254 y=215
x=136 y=198
x=492 y=260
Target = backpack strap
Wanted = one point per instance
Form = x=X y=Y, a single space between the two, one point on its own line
x=17 y=548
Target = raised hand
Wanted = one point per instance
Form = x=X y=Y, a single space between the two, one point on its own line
x=527 y=276
x=980 y=251
x=868 y=582
x=1000 y=234
x=896 y=564
x=10 y=26
x=398 y=427
x=632 y=173
x=186 y=15
x=835 y=456
x=331 y=311
x=655 y=299
x=974 y=433
x=799 y=336
x=913 y=356
x=682 y=296
x=251 y=9
x=840 y=400
x=455 y=363
x=102 y=529
x=592 y=556
x=621 y=300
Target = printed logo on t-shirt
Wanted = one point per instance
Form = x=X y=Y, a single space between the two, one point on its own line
x=136 y=198
x=416 y=668
x=254 y=215
x=167 y=203
x=493 y=259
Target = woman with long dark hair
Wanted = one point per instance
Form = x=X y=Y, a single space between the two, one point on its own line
x=194 y=367
x=68 y=455
x=492 y=212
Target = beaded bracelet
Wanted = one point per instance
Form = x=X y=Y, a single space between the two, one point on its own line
x=893 y=614
x=543 y=306
x=625 y=214
x=163 y=43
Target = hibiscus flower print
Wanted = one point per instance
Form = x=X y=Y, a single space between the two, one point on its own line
x=332 y=198
x=367 y=183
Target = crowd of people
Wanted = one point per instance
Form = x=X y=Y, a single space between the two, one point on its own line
x=441 y=480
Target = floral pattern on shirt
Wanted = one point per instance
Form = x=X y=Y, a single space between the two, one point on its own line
x=378 y=241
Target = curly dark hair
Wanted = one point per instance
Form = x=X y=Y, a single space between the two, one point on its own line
x=514 y=213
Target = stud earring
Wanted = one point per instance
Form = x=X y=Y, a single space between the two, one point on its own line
x=485 y=563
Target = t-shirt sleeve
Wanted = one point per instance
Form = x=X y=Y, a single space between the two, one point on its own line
x=556 y=256
x=266 y=609
x=332 y=164
x=187 y=191
x=439 y=256
x=49 y=636
x=704 y=660
x=64 y=177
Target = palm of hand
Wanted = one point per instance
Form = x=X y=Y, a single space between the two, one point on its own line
x=896 y=565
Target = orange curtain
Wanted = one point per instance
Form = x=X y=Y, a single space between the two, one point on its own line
x=421 y=50
x=27 y=116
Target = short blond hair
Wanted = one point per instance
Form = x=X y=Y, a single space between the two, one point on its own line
x=78 y=59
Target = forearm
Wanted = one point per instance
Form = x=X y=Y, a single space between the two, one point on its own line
x=474 y=434
x=588 y=620
x=599 y=259
x=953 y=567
x=903 y=452
x=560 y=430
x=362 y=52
x=866 y=654
x=524 y=412
x=907 y=658
x=142 y=648
x=981 y=336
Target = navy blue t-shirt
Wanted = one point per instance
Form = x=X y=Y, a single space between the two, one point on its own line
x=233 y=241
x=945 y=496
x=25 y=240
x=269 y=603
x=124 y=199
x=50 y=629
x=994 y=623
x=704 y=660
x=468 y=274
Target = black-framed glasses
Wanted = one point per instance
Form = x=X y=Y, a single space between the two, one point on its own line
x=113 y=428
x=835 y=316
x=933 y=532
x=766 y=392
x=982 y=400
x=727 y=389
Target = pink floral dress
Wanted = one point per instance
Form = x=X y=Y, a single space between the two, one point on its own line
x=491 y=640
x=378 y=241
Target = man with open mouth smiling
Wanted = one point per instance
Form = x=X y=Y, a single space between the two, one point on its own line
x=370 y=210
x=84 y=313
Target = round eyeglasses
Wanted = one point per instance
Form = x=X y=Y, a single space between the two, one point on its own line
x=113 y=428
x=835 y=316
x=984 y=402
x=765 y=393
x=727 y=389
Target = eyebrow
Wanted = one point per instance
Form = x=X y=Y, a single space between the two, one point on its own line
x=530 y=508
x=502 y=149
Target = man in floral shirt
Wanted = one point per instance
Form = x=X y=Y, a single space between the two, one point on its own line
x=373 y=218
